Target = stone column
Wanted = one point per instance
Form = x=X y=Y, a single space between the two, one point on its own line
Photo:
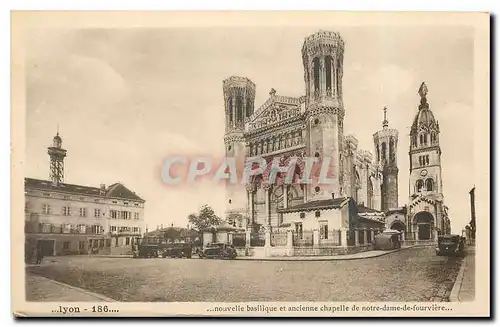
x=289 y=243
x=356 y=237
x=268 y=214
x=322 y=75
x=315 y=237
x=247 y=238
x=267 y=245
x=402 y=236
x=416 y=233
x=250 y=207
x=233 y=108
x=343 y=237
x=230 y=238
x=365 y=234
x=372 y=232
x=285 y=196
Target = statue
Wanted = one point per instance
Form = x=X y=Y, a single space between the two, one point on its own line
x=422 y=91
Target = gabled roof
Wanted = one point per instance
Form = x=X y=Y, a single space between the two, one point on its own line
x=422 y=198
x=119 y=190
x=116 y=190
x=317 y=205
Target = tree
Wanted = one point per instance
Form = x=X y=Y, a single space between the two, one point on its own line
x=172 y=234
x=204 y=219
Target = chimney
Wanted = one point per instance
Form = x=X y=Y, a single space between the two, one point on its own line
x=157 y=227
x=172 y=225
x=161 y=226
x=333 y=195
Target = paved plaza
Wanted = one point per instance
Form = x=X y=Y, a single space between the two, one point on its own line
x=414 y=274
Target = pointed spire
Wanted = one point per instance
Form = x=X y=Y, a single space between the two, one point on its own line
x=57 y=129
x=385 y=123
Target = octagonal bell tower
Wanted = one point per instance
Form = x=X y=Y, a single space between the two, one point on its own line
x=386 y=149
x=322 y=56
x=239 y=98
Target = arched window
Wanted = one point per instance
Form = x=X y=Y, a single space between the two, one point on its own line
x=316 y=71
x=230 y=109
x=414 y=140
x=384 y=150
x=328 y=70
x=419 y=185
x=337 y=77
x=433 y=137
x=421 y=139
x=249 y=107
x=392 y=154
x=425 y=138
x=370 y=194
x=378 y=154
x=429 y=184
x=239 y=108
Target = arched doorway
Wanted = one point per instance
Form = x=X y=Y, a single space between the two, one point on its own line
x=424 y=221
x=398 y=225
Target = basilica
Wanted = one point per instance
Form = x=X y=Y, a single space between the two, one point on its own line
x=365 y=185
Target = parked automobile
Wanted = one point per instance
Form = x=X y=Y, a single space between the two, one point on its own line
x=451 y=245
x=218 y=251
x=178 y=250
x=146 y=251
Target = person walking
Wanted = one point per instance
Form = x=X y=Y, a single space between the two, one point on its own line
x=39 y=256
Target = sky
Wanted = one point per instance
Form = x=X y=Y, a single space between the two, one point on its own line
x=126 y=99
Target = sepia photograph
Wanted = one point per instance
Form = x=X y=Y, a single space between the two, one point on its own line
x=250 y=164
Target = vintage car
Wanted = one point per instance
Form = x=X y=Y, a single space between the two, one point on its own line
x=451 y=245
x=218 y=251
x=146 y=251
x=388 y=240
x=178 y=250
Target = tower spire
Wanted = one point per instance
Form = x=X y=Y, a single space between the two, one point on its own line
x=385 y=123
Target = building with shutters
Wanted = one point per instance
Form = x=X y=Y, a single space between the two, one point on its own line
x=63 y=218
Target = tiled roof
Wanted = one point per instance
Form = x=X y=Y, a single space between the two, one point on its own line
x=61 y=187
x=363 y=209
x=316 y=205
x=366 y=219
x=116 y=190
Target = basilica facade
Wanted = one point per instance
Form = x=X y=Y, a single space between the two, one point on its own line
x=308 y=126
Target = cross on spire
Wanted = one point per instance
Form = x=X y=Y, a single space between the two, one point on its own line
x=385 y=123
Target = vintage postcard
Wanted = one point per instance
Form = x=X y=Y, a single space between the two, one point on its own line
x=250 y=164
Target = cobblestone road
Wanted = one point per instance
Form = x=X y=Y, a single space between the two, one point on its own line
x=415 y=274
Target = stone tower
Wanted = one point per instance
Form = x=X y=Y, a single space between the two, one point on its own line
x=322 y=56
x=57 y=155
x=239 y=97
x=427 y=214
x=386 y=149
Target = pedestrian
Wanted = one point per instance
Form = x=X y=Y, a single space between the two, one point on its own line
x=39 y=256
